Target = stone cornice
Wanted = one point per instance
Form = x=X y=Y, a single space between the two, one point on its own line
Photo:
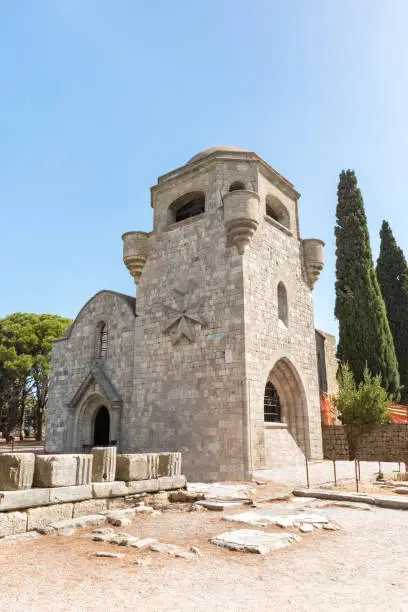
x=204 y=164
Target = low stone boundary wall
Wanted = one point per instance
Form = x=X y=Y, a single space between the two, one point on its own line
x=366 y=442
x=67 y=487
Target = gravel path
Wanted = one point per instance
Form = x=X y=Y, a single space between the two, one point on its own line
x=362 y=567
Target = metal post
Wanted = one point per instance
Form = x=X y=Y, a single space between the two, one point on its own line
x=359 y=472
x=355 y=470
x=334 y=470
x=307 y=472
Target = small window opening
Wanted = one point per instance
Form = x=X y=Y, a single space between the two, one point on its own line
x=282 y=304
x=277 y=211
x=236 y=186
x=272 y=406
x=189 y=205
x=102 y=340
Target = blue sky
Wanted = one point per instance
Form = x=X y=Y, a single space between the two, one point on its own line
x=99 y=97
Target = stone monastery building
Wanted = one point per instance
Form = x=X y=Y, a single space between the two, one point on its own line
x=217 y=357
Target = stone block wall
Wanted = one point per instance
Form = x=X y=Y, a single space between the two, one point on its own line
x=367 y=443
x=29 y=509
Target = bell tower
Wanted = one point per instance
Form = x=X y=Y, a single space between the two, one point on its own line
x=224 y=311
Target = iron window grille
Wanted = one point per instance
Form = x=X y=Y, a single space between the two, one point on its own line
x=272 y=407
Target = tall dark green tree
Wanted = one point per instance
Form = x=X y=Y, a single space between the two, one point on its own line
x=364 y=332
x=392 y=272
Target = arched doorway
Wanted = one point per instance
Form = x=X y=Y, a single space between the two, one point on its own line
x=101 y=427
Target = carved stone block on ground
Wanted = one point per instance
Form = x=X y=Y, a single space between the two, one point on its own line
x=62 y=470
x=132 y=467
x=104 y=463
x=16 y=471
x=163 y=464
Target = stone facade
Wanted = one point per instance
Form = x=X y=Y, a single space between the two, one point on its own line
x=185 y=368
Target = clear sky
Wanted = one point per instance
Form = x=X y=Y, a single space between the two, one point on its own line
x=99 y=97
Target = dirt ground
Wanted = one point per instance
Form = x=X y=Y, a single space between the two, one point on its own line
x=361 y=567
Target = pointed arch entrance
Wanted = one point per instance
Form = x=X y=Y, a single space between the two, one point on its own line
x=284 y=389
x=101 y=427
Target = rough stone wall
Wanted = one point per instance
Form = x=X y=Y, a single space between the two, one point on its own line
x=326 y=347
x=72 y=360
x=189 y=395
x=275 y=256
x=371 y=443
x=330 y=348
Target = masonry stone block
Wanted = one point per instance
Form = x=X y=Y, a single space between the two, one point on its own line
x=132 y=467
x=143 y=486
x=16 y=471
x=62 y=470
x=12 y=523
x=163 y=464
x=10 y=500
x=109 y=489
x=104 y=464
x=70 y=494
x=41 y=517
x=90 y=506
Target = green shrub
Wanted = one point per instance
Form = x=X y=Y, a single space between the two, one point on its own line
x=364 y=404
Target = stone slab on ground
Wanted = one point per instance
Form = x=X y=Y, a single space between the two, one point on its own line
x=21 y=537
x=335 y=495
x=108 y=555
x=264 y=518
x=222 y=504
x=16 y=471
x=104 y=463
x=144 y=543
x=222 y=490
x=70 y=494
x=12 y=523
x=383 y=501
x=254 y=541
x=79 y=523
x=321 y=503
x=185 y=496
x=43 y=516
x=13 y=500
x=401 y=490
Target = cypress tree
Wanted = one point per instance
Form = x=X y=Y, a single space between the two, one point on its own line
x=392 y=272
x=364 y=332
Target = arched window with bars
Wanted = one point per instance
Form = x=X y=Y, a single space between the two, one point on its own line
x=272 y=406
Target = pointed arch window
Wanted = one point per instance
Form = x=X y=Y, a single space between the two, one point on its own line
x=282 y=304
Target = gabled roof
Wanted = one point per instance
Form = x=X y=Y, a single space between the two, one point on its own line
x=99 y=376
x=128 y=299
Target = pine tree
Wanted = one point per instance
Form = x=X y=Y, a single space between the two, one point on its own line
x=364 y=332
x=392 y=272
